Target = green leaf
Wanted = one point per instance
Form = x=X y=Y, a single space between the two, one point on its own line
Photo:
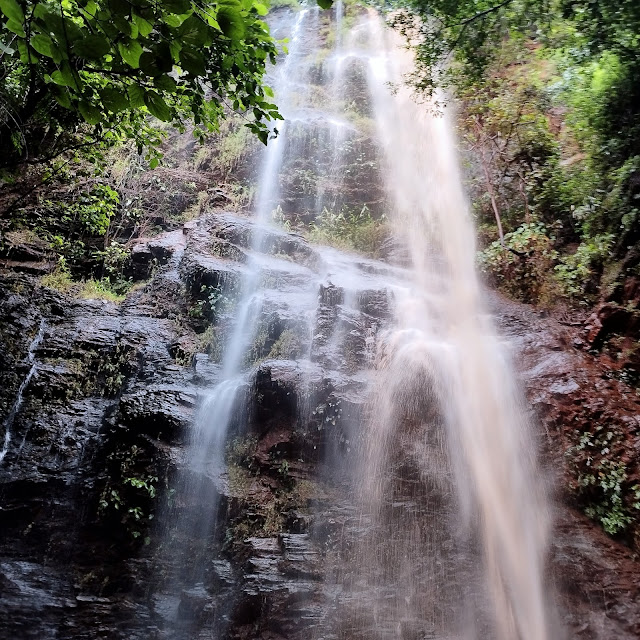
x=50 y=23
x=64 y=76
x=153 y=163
x=90 y=113
x=261 y=9
x=173 y=20
x=91 y=7
x=192 y=62
x=91 y=47
x=194 y=32
x=175 y=48
x=157 y=61
x=325 y=4
x=165 y=83
x=23 y=50
x=58 y=78
x=12 y=10
x=157 y=106
x=144 y=26
x=212 y=22
x=149 y=66
x=16 y=27
x=122 y=23
x=62 y=96
x=114 y=100
x=131 y=53
x=177 y=6
x=231 y=22
x=136 y=96
x=42 y=44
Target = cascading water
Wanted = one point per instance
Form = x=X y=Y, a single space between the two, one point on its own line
x=30 y=361
x=196 y=500
x=445 y=400
x=452 y=526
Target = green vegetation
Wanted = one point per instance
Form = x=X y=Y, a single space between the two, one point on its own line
x=293 y=4
x=110 y=64
x=93 y=95
x=60 y=279
x=520 y=263
x=99 y=289
x=601 y=479
x=267 y=502
x=549 y=110
x=128 y=497
x=349 y=229
x=287 y=347
x=231 y=145
x=211 y=302
x=211 y=343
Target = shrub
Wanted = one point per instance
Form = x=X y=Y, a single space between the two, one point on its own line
x=602 y=481
x=348 y=229
x=521 y=268
x=578 y=273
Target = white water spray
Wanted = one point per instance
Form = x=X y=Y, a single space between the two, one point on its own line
x=454 y=523
x=445 y=350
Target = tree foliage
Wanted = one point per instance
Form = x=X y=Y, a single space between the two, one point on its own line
x=470 y=31
x=550 y=105
x=79 y=71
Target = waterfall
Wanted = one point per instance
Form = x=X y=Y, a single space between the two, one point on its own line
x=446 y=390
x=30 y=361
x=453 y=522
x=193 y=513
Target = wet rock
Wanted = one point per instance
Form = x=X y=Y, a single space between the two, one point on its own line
x=68 y=571
x=206 y=372
x=222 y=573
x=610 y=318
x=150 y=253
x=37 y=268
x=278 y=383
x=201 y=271
x=159 y=410
x=193 y=602
x=575 y=400
x=563 y=387
x=141 y=261
x=375 y=303
x=239 y=232
x=331 y=295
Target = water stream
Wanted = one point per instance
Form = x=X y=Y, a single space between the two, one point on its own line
x=453 y=519
x=446 y=391
x=30 y=361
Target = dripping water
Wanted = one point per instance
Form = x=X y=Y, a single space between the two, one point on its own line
x=15 y=409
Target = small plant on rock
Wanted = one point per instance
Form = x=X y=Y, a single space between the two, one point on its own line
x=601 y=479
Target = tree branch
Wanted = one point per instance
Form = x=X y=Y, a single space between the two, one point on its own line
x=481 y=14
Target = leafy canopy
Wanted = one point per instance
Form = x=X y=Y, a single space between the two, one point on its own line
x=470 y=32
x=110 y=63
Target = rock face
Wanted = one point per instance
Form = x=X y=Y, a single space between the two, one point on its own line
x=590 y=426
x=98 y=446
